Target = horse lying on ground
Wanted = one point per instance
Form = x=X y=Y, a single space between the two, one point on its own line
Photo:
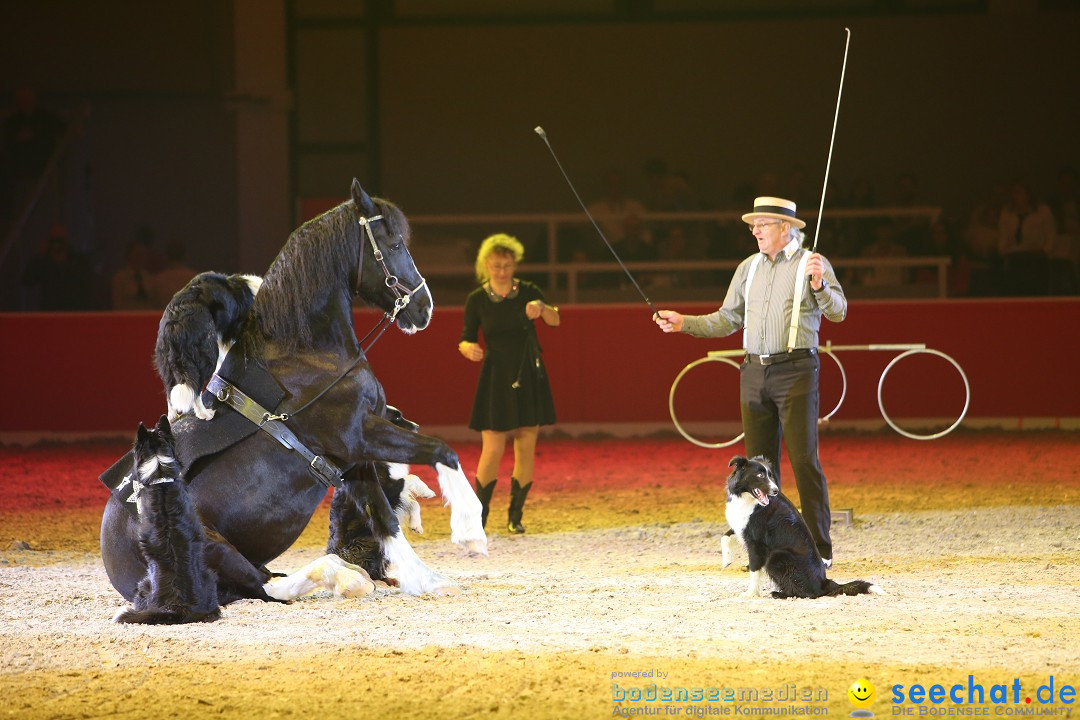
x=297 y=358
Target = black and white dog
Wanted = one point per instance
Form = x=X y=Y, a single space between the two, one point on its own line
x=191 y=570
x=777 y=538
x=198 y=327
x=178 y=586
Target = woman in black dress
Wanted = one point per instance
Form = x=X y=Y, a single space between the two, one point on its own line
x=513 y=397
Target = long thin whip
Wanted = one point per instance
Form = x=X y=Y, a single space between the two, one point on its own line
x=540 y=131
x=828 y=163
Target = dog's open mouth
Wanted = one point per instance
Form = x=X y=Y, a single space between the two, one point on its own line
x=762 y=498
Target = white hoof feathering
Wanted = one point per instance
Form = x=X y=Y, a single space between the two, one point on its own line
x=465 y=526
x=181 y=399
x=329 y=572
x=412 y=575
x=876 y=590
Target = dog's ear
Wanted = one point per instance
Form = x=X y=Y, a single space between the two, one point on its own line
x=737 y=462
x=164 y=430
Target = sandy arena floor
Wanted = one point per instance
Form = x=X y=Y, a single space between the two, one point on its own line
x=620 y=573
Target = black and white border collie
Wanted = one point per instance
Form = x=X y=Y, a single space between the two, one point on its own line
x=777 y=538
x=198 y=327
x=178 y=587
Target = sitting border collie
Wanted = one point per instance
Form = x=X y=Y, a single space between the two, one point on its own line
x=198 y=327
x=777 y=538
x=178 y=587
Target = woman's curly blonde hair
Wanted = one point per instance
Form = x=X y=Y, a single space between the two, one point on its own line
x=500 y=243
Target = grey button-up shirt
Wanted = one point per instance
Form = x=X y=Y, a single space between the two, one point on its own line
x=766 y=310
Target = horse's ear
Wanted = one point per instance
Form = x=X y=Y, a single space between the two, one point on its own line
x=737 y=461
x=142 y=433
x=361 y=198
x=163 y=424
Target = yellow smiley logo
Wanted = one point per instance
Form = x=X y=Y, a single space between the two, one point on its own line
x=862 y=693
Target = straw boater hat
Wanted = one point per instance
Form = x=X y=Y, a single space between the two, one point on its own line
x=774 y=207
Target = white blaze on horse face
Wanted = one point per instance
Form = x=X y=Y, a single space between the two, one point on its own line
x=465 y=509
x=421 y=294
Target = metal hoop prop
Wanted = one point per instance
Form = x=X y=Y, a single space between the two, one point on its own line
x=905 y=433
x=671 y=402
x=725 y=356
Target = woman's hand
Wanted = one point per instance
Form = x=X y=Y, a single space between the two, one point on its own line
x=534 y=309
x=471 y=351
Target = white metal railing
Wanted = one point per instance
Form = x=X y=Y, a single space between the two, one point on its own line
x=571 y=277
x=573 y=272
x=553 y=221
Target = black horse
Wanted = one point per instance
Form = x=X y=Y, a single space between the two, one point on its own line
x=256 y=496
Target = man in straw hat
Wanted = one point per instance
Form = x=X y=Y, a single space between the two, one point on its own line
x=779 y=375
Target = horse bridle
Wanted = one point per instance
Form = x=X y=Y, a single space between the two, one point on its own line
x=403 y=295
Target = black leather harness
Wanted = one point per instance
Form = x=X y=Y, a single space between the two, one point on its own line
x=326 y=472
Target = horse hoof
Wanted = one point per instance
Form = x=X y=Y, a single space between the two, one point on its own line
x=476 y=547
x=349 y=583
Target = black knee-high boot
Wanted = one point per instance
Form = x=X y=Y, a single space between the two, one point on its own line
x=484 y=493
x=517 y=506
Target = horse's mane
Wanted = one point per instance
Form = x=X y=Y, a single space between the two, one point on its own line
x=317 y=261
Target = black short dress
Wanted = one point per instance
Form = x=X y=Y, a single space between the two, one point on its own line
x=513 y=390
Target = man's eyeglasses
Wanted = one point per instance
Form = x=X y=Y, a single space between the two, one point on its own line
x=761 y=225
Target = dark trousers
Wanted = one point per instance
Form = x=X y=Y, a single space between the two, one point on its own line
x=781 y=401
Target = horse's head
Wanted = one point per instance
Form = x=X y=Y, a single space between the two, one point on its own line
x=387 y=277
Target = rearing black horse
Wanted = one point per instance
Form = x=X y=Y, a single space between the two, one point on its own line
x=256 y=497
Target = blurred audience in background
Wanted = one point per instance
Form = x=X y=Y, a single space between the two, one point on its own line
x=981 y=243
x=59 y=277
x=30 y=136
x=1026 y=232
x=175 y=275
x=1065 y=251
x=133 y=283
